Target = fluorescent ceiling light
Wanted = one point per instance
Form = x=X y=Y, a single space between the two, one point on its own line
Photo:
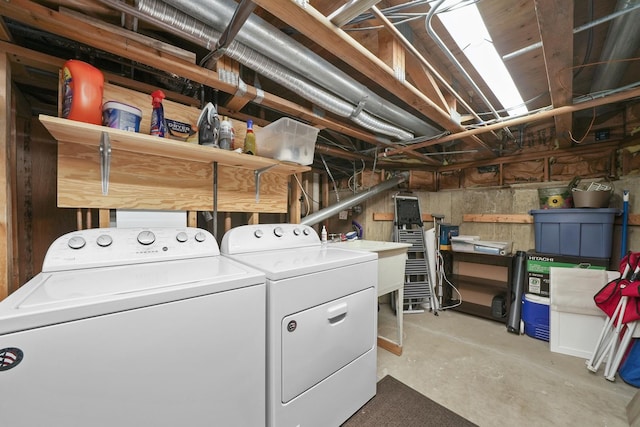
x=467 y=28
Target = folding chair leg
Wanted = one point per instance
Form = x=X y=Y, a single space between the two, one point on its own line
x=602 y=344
x=616 y=339
x=610 y=374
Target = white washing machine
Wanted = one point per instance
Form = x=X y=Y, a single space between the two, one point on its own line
x=135 y=327
x=321 y=322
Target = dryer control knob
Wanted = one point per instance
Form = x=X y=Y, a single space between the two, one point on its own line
x=200 y=236
x=146 y=237
x=305 y=231
x=104 y=240
x=258 y=233
x=76 y=242
x=278 y=231
x=182 y=237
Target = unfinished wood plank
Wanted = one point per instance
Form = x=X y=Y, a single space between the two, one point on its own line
x=6 y=224
x=137 y=143
x=389 y=346
x=152 y=43
x=499 y=218
x=555 y=22
x=139 y=181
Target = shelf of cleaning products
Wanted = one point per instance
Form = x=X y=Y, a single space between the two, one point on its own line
x=105 y=168
x=89 y=134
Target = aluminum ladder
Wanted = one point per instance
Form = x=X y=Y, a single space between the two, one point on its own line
x=417 y=279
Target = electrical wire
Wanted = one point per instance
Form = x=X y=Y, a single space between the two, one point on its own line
x=442 y=278
x=326 y=167
x=305 y=194
x=593 y=119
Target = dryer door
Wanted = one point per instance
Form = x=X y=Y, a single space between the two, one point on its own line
x=319 y=341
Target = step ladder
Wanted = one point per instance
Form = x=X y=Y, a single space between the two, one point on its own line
x=417 y=280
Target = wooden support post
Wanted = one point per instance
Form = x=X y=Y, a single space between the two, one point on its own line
x=294 y=203
x=104 y=218
x=6 y=160
x=253 y=218
x=227 y=221
x=192 y=218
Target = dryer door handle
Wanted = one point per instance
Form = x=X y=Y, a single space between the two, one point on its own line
x=337 y=312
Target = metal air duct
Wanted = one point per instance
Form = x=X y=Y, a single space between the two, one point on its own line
x=182 y=24
x=273 y=44
x=622 y=42
x=325 y=213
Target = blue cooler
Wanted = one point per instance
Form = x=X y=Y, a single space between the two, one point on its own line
x=535 y=315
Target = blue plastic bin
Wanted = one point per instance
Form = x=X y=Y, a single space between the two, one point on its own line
x=575 y=232
x=535 y=315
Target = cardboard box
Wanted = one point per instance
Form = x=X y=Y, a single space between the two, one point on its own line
x=538 y=265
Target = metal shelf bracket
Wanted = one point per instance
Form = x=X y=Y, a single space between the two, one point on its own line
x=105 y=161
x=257 y=174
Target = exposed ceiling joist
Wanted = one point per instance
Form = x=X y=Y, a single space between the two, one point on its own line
x=555 y=21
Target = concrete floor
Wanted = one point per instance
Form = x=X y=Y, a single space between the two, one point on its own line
x=476 y=368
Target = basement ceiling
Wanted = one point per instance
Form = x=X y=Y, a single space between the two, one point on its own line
x=376 y=83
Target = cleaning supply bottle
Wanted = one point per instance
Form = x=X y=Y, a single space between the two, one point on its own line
x=250 y=139
x=226 y=134
x=83 y=86
x=323 y=235
x=157 y=115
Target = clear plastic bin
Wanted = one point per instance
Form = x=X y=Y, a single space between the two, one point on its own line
x=287 y=140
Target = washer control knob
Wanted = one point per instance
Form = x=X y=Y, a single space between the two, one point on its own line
x=182 y=237
x=104 y=240
x=258 y=233
x=200 y=236
x=278 y=231
x=305 y=231
x=76 y=242
x=146 y=237
x=296 y=231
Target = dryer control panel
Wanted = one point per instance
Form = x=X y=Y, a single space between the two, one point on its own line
x=100 y=247
x=264 y=237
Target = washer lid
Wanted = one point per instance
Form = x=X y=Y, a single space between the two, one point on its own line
x=285 y=263
x=63 y=296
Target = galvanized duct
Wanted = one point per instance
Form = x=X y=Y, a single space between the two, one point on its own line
x=325 y=213
x=207 y=36
x=622 y=42
x=273 y=44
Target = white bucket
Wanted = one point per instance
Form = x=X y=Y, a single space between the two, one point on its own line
x=121 y=116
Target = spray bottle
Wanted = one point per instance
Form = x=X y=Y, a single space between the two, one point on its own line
x=250 y=139
x=226 y=134
x=323 y=235
x=157 y=115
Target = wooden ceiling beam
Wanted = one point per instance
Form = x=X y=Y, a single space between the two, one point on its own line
x=312 y=24
x=555 y=23
x=617 y=97
x=118 y=43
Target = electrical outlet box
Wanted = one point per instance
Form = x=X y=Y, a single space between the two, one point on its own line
x=343 y=214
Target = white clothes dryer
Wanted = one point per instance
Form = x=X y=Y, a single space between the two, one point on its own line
x=135 y=327
x=321 y=322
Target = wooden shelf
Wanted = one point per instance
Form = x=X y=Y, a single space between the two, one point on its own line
x=147 y=172
x=65 y=130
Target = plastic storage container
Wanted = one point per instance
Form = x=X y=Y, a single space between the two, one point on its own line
x=574 y=232
x=121 y=116
x=535 y=315
x=288 y=140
